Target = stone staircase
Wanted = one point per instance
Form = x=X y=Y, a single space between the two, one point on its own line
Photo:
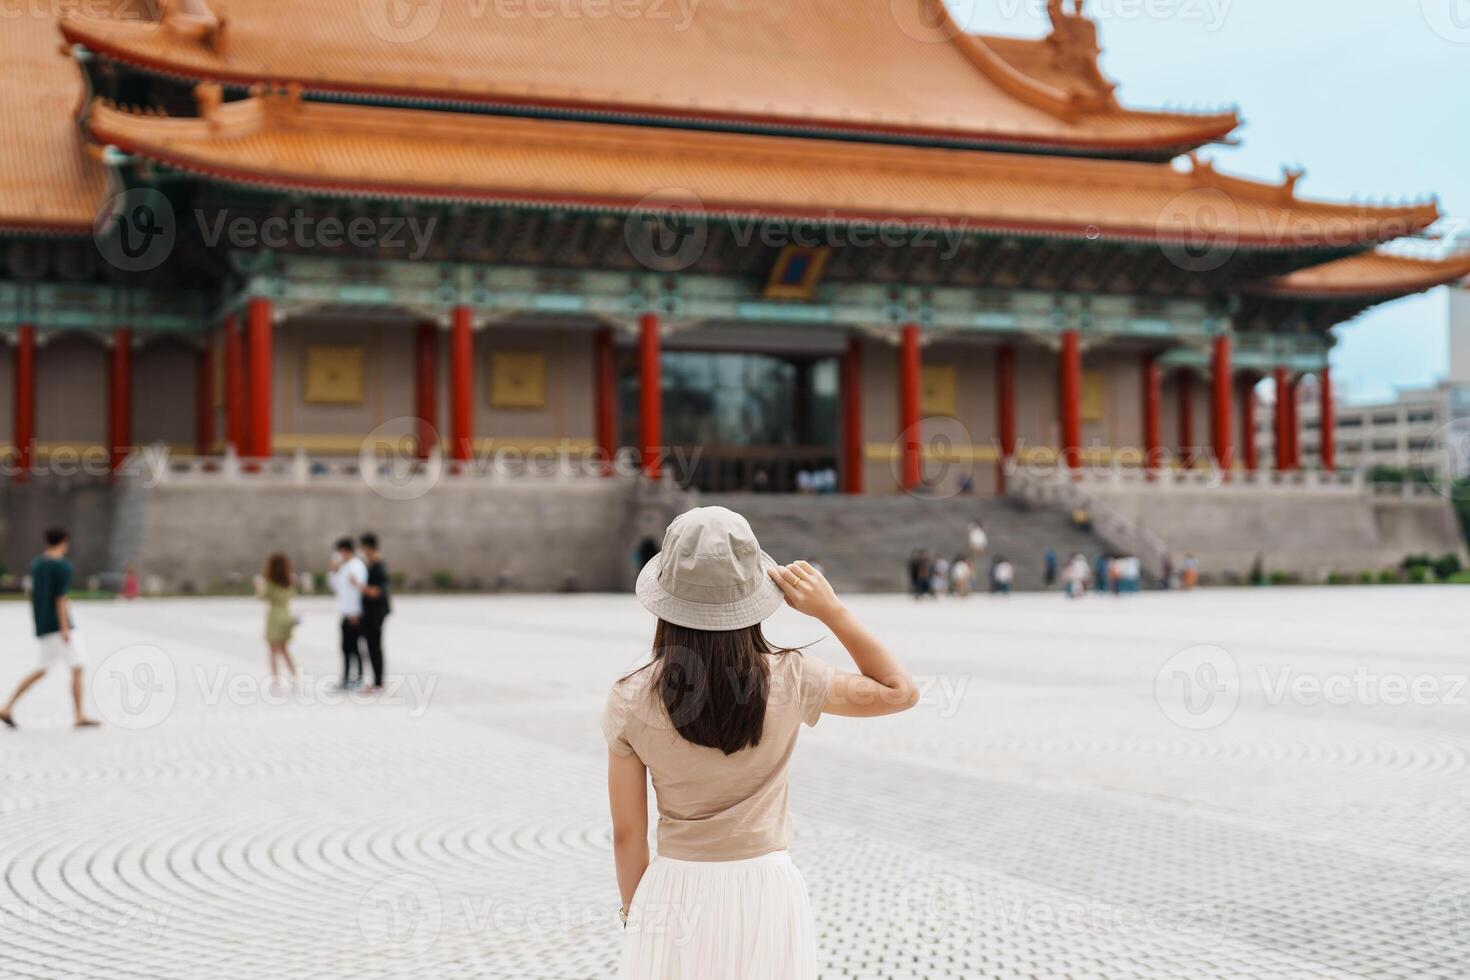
x=864 y=543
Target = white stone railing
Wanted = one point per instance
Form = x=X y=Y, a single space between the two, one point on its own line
x=1352 y=482
x=156 y=466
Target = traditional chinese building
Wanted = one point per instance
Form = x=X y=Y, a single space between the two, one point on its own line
x=793 y=236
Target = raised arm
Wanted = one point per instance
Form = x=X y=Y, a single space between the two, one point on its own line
x=627 y=794
x=882 y=686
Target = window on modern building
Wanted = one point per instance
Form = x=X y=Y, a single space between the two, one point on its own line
x=1350 y=422
x=1385 y=420
x=1385 y=445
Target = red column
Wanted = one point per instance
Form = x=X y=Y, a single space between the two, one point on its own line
x=120 y=404
x=1186 y=419
x=909 y=422
x=1283 y=420
x=1248 y=427
x=25 y=399
x=234 y=385
x=651 y=393
x=1329 y=422
x=1294 y=425
x=1222 y=377
x=1005 y=410
x=426 y=386
x=1071 y=390
x=204 y=398
x=853 y=457
x=1153 y=412
x=261 y=433
x=461 y=385
x=605 y=386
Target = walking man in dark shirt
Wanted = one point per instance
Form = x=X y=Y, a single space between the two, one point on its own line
x=55 y=634
x=375 y=607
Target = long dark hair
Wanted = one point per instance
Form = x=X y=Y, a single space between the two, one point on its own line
x=278 y=570
x=714 y=684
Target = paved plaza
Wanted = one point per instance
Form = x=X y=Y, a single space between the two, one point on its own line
x=1232 y=784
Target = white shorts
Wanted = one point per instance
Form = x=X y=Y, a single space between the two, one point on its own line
x=54 y=651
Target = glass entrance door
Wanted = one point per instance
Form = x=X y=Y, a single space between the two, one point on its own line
x=746 y=422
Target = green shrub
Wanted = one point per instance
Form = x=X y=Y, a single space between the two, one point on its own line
x=1462 y=578
x=1366 y=578
x=1448 y=567
x=1389 y=577
x=443 y=581
x=1421 y=575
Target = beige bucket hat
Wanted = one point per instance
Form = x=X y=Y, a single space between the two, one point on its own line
x=711 y=574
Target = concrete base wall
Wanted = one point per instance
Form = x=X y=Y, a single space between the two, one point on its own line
x=1309 y=535
x=86 y=508
x=523 y=536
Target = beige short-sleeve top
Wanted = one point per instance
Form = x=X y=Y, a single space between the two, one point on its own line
x=714 y=807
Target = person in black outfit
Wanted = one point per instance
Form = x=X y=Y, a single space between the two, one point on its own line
x=375 y=606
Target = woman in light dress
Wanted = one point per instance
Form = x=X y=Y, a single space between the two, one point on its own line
x=713 y=719
x=275 y=586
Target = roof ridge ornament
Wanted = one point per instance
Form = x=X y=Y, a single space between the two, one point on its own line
x=1291 y=176
x=194 y=20
x=1075 y=50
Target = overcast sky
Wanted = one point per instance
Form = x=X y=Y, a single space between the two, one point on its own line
x=1371 y=96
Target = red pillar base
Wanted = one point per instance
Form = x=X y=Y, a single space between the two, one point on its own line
x=25 y=401
x=1071 y=400
x=260 y=437
x=910 y=369
x=461 y=385
x=651 y=395
x=1222 y=382
x=426 y=388
x=1153 y=414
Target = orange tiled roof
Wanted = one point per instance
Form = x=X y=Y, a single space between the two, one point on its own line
x=279 y=141
x=1372 y=274
x=47 y=181
x=898 y=67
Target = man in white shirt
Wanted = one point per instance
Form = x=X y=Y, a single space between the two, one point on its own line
x=348 y=577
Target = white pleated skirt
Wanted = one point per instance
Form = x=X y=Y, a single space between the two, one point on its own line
x=721 y=920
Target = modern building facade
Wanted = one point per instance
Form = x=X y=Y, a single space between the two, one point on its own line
x=839 y=234
x=1423 y=431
